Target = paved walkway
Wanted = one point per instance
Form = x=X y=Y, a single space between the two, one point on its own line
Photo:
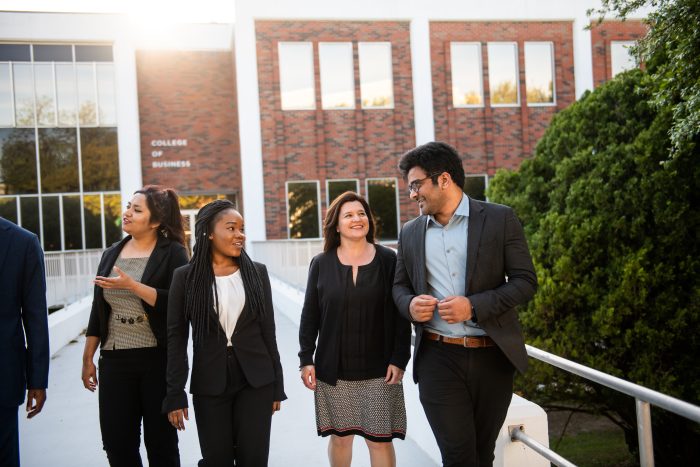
x=67 y=432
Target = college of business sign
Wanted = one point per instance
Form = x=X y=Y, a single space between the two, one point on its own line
x=160 y=146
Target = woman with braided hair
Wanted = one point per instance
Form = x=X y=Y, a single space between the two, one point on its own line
x=128 y=319
x=236 y=379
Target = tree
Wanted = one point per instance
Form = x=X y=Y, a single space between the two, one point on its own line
x=613 y=230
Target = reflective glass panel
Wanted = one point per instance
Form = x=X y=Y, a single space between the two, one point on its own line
x=337 y=75
x=6 y=96
x=100 y=159
x=17 y=161
x=376 y=79
x=381 y=195
x=87 y=99
x=24 y=94
x=503 y=73
x=93 y=53
x=29 y=206
x=338 y=187
x=8 y=208
x=105 y=94
x=66 y=94
x=58 y=156
x=621 y=58
x=92 y=210
x=15 y=53
x=53 y=53
x=51 y=217
x=113 y=218
x=539 y=72
x=302 y=214
x=475 y=187
x=466 y=74
x=296 y=70
x=45 y=98
x=72 y=231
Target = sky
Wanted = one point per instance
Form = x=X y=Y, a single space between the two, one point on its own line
x=148 y=11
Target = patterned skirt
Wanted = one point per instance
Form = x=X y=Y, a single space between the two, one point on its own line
x=369 y=408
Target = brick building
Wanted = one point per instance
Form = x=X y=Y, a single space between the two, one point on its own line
x=281 y=111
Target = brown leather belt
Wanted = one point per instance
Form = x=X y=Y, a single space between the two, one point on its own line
x=473 y=342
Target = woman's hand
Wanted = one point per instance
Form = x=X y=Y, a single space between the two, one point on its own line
x=177 y=418
x=123 y=281
x=89 y=376
x=276 y=406
x=308 y=376
x=394 y=375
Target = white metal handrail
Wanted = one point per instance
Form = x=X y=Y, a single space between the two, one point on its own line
x=69 y=275
x=517 y=433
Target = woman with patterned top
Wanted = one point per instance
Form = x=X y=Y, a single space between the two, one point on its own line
x=363 y=344
x=236 y=381
x=128 y=319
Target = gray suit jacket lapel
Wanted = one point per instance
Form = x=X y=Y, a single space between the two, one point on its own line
x=476 y=225
x=418 y=248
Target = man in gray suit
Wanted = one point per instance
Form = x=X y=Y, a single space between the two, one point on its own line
x=463 y=266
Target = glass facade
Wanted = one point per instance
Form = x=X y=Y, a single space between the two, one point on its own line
x=382 y=196
x=303 y=210
x=335 y=188
x=296 y=68
x=503 y=73
x=376 y=77
x=539 y=72
x=467 y=89
x=337 y=75
x=59 y=161
x=475 y=186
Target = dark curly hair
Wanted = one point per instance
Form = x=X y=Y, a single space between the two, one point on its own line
x=434 y=158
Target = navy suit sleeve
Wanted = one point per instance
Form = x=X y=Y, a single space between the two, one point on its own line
x=178 y=335
x=35 y=317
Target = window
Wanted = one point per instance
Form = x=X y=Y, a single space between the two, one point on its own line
x=335 y=188
x=51 y=220
x=100 y=158
x=45 y=99
x=58 y=157
x=303 y=210
x=376 y=80
x=337 y=75
x=23 y=79
x=17 y=161
x=87 y=96
x=466 y=74
x=53 y=53
x=382 y=196
x=539 y=72
x=6 y=112
x=296 y=70
x=113 y=218
x=475 y=186
x=8 y=208
x=29 y=214
x=503 y=73
x=93 y=53
x=621 y=57
x=72 y=224
x=66 y=94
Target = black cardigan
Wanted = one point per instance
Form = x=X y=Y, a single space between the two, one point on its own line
x=253 y=342
x=321 y=316
x=165 y=258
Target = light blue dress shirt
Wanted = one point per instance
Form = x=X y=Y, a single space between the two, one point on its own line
x=446 y=267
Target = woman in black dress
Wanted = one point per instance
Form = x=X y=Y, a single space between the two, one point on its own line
x=363 y=344
x=128 y=319
x=236 y=378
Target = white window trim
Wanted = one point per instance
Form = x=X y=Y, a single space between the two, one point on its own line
x=481 y=78
x=357 y=186
x=318 y=207
x=554 y=76
x=396 y=198
x=517 y=75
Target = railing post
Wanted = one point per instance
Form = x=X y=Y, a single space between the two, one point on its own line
x=646 y=443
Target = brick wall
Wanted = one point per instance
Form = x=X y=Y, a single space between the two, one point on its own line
x=601 y=36
x=489 y=138
x=330 y=144
x=189 y=95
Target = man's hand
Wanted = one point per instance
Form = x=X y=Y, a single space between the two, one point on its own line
x=422 y=308
x=308 y=376
x=177 y=418
x=35 y=401
x=455 y=309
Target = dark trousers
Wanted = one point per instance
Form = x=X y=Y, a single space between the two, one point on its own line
x=465 y=394
x=9 y=437
x=235 y=426
x=131 y=389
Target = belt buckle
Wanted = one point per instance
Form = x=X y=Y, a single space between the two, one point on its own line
x=464 y=343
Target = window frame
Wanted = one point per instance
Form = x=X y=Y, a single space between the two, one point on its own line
x=481 y=76
x=554 y=76
x=391 y=74
x=517 y=75
x=311 y=47
x=321 y=45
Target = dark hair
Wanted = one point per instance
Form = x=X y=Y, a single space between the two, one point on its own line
x=200 y=277
x=434 y=158
x=330 y=223
x=165 y=209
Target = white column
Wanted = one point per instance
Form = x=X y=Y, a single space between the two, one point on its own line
x=252 y=177
x=422 y=80
x=583 y=54
x=129 y=136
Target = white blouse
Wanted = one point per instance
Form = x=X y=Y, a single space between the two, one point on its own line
x=231 y=301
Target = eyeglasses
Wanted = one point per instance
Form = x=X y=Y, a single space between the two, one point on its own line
x=416 y=185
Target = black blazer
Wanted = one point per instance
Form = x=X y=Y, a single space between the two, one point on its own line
x=500 y=275
x=322 y=316
x=24 y=364
x=165 y=258
x=253 y=342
